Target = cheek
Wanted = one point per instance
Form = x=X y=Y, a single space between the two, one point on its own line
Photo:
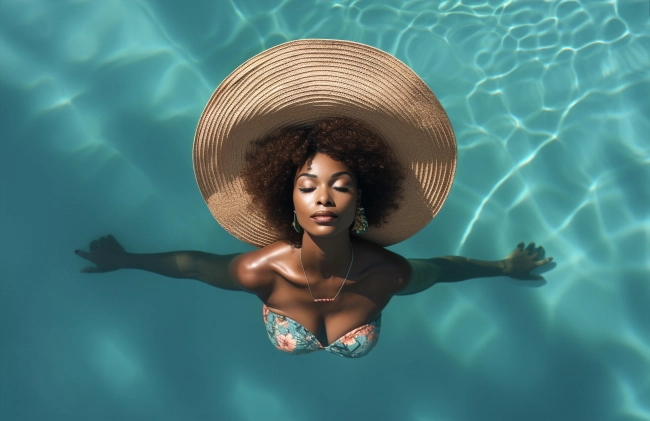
x=351 y=210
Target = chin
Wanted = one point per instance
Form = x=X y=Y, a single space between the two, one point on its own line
x=326 y=232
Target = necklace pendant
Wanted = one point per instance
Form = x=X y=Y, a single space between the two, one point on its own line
x=317 y=300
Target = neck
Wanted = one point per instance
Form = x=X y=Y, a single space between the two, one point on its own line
x=326 y=255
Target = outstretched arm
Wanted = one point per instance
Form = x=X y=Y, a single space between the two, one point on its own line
x=213 y=269
x=426 y=272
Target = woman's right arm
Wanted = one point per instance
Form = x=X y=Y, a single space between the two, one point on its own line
x=213 y=269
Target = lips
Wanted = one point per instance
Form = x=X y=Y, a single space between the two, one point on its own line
x=324 y=216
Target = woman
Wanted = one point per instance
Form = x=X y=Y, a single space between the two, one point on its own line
x=321 y=152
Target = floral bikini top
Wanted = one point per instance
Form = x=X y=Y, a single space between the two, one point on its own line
x=290 y=336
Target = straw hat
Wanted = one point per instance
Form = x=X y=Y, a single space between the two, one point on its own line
x=301 y=82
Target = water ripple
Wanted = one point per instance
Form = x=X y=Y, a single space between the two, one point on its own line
x=549 y=104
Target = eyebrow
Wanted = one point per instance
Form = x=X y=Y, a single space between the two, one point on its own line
x=335 y=175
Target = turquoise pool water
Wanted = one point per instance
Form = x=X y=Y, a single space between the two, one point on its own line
x=550 y=102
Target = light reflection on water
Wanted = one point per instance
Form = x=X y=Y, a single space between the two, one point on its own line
x=550 y=105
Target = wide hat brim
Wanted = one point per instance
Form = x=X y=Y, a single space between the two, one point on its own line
x=300 y=82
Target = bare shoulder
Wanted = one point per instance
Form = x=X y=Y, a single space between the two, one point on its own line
x=392 y=269
x=257 y=271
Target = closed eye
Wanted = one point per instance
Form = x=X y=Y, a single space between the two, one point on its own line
x=311 y=189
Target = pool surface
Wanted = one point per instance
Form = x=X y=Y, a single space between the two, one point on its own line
x=550 y=101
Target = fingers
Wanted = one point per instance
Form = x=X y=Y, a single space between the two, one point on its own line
x=544 y=262
x=102 y=243
x=82 y=254
x=112 y=243
x=539 y=253
x=534 y=252
x=88 y=269
x=97 y=247
x=520 y=246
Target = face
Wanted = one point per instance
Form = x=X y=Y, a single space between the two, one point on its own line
x=325 y=196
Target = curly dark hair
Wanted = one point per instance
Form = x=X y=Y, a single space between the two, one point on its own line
x=272 y=163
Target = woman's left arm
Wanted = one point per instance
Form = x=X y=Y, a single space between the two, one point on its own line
x=426 y=272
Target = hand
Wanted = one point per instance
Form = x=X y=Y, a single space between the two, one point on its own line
x=522 y=260
x=106 y=253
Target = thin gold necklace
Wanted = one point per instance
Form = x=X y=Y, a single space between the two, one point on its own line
x=337 y=294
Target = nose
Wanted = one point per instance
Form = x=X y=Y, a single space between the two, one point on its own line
x=324 y=198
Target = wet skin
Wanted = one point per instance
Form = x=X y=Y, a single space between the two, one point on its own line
x=325 y=198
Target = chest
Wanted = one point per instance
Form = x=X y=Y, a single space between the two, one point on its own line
x=289 y=336
x=358 y=304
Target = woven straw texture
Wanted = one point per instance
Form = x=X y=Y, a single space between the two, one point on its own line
x=300 y=82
